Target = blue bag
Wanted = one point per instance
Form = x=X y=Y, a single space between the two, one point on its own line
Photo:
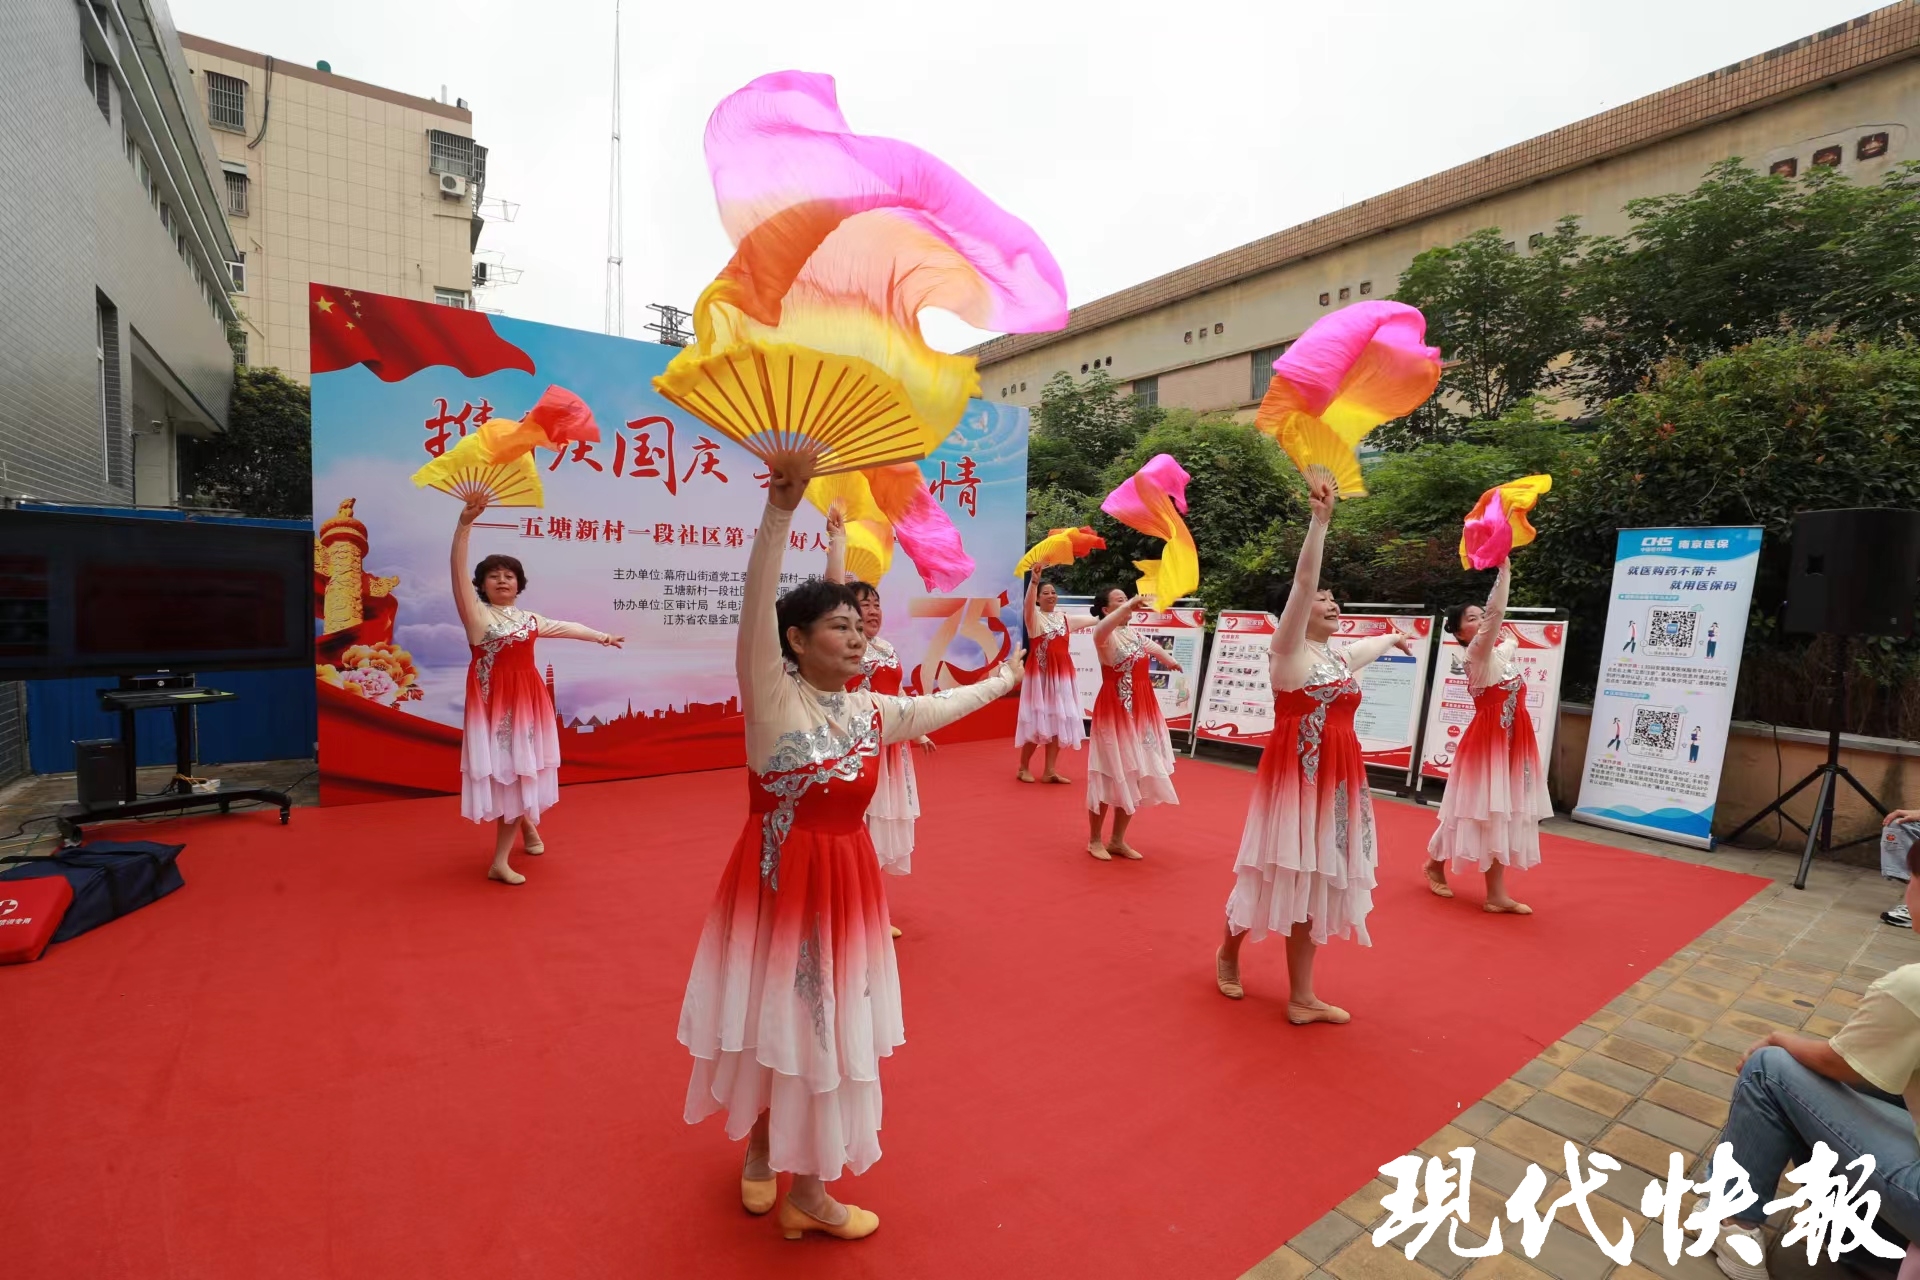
x=109 y=879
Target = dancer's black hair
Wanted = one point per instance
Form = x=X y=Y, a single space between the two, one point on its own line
x=809 y=602
x=487 y=566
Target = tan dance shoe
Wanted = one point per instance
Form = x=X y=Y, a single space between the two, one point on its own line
x=1099 y=851
x=1229 y=987
x=509 y=876
x=1301 y=1015
x=1511 y=909
x=1127 y=851
x=1058 y=779
x=1438 y=885
x=757 y=1196
x=895 y=928
x=797 y=1222
x=1024 y=776
x=530 y=841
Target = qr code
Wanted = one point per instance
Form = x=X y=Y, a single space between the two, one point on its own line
x=1670 y=632
x=1656 y=732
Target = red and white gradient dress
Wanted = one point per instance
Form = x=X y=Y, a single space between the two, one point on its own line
x=794 y=996
x=896 y=797
x=1050 y=694
x=1496 y=790
x=1130 y=759
x=510 y=742
x=1308 y=850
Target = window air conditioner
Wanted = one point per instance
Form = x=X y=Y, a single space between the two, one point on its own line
x=453 y=186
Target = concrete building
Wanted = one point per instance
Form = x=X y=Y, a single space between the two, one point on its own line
x=329 y=179
x=113 y=248
x=1205 y=336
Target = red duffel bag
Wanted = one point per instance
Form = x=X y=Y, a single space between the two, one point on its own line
x=30 y=910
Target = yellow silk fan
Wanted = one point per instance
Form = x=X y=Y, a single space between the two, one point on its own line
x=777 y=397
x=468 y=469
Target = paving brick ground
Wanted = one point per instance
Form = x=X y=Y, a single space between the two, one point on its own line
x=1647 y=1074
x=26 y=805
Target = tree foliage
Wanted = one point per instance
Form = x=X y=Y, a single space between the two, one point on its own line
x=262 y=464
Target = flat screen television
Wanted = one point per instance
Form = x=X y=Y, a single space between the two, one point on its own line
x=85 y=594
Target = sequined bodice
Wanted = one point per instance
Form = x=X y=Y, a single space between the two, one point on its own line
x=880 y=670
x=1325 y=704
x=1049 y=648
x=1504 y=699
x=507 y=643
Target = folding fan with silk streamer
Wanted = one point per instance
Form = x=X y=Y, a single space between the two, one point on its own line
x=1351 y=371
x=496 y=461
x=810 y=338
x=1060 y=546
x=1151 y=501
x=1498 y=522
x=895 y=499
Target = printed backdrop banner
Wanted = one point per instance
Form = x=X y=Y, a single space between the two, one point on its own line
x=1237 y=703
x=643 y=534
x=1675 y=631
x=1541 y=653
x=1180 y=630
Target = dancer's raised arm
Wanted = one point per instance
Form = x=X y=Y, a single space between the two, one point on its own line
x=1486 y=641
x=837 y=544
x=464 y=597
x=1113 y=618
x=1291 y=635
x=757 y=663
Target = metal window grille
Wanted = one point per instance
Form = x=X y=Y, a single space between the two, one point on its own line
x=1263 y=368
x=226 y=102
x=237 y=194
x=449 y=153
x=1146 y=389
x=113 y=427
x=100 y=80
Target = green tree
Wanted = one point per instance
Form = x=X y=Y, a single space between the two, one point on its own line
x=261 y=465
x=1080 y=428
x=1744 y=255
x=1780 y=426
x=1500 y=317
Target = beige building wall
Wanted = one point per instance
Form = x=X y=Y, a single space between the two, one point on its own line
x=1195 y=330
x=338 y=191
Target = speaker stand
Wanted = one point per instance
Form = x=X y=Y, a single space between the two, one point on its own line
x=1819 y=830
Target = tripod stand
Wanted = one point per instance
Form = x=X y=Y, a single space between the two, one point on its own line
x=1820 y=826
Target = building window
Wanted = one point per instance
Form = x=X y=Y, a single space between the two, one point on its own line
x=226 y=102
x=236 y=194
x=1872 y=146
x=239 y=269
x=451 y=297
x=1189 y=338
x=1023 y=386
x=240 y=345
x=1366 y=287
x=1826 y=158
x=1218 y=328
x=1345 y=293
x=1784 y=168
x=449 y=153
x=106 y=356
x=100 y=80
x=1263 y=368
x=1147 y=391
x=166 y=216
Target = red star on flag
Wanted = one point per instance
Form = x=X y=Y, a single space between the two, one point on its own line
x=396 y=337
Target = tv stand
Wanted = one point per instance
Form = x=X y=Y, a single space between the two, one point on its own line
x=179 y=796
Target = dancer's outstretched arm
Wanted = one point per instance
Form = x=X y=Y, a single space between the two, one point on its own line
x=1114 y=618
x=554 y=629
x=907 y=719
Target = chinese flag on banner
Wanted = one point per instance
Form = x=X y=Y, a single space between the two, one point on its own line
x=396 y=337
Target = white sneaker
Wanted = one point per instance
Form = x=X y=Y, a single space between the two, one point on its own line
x=1899 y=917
x=1741 y=1253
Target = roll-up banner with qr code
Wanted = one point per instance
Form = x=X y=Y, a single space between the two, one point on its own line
x=1664 y=699
x=1180 y=631
x=1538 y=652
x=642 y=533
x=1237 y=704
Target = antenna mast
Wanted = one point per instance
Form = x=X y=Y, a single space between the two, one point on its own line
x=616 y=309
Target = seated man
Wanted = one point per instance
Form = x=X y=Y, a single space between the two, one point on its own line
x=1902 y=826
x=1855 y=1092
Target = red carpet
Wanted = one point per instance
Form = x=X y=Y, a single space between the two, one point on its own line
x=340 y=1051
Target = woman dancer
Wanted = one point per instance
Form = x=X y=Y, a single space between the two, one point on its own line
x=896 y=797
x=1496 y=791
x=510 y=743
x=1130 y=761
x=794 y=996
x=1050 y=699
x=1307 y=854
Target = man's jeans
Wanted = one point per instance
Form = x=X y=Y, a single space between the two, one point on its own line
x=1780 y=1109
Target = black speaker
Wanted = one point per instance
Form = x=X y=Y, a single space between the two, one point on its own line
x=100 y=772
x=1854 y=572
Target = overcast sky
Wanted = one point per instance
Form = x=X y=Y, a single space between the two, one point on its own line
x=1136 y=137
